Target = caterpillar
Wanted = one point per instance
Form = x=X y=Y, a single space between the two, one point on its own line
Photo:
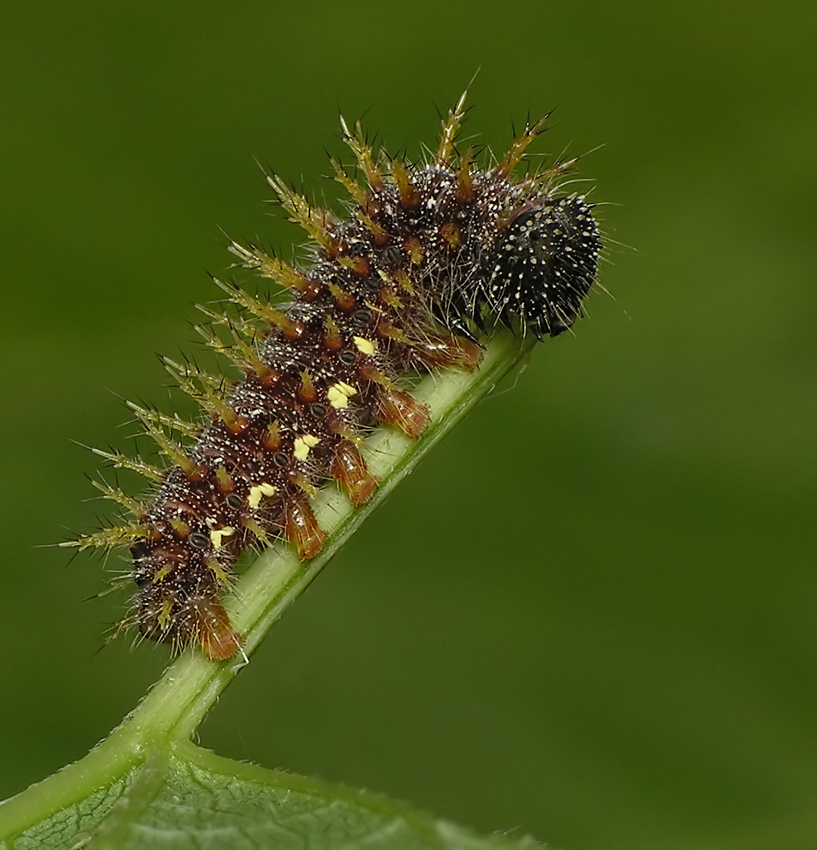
x=428 y=260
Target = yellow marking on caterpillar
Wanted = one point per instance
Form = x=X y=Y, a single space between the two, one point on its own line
x=365 y=346
x=304 y=444
x=217 y=534
x=339 y=394
x=258 y=492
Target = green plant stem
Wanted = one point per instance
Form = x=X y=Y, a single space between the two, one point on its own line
x=175 y=706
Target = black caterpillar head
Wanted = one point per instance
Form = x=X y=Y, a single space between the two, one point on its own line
x=545 y=264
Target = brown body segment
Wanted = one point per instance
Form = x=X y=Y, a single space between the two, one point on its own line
x=301 y=527
x=350 y=471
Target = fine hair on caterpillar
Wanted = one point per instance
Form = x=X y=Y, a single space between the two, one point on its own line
x=430 y=258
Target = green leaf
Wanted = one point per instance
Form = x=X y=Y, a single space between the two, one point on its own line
x=146 y=785
x=190 y=798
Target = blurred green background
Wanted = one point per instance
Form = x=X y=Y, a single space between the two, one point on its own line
x=590 y=614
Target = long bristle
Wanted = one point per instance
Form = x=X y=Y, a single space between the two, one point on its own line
x=451 y=128
x=318 y=223
x=360 y=147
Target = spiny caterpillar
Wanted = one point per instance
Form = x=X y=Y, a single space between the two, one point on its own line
x=428 y=259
